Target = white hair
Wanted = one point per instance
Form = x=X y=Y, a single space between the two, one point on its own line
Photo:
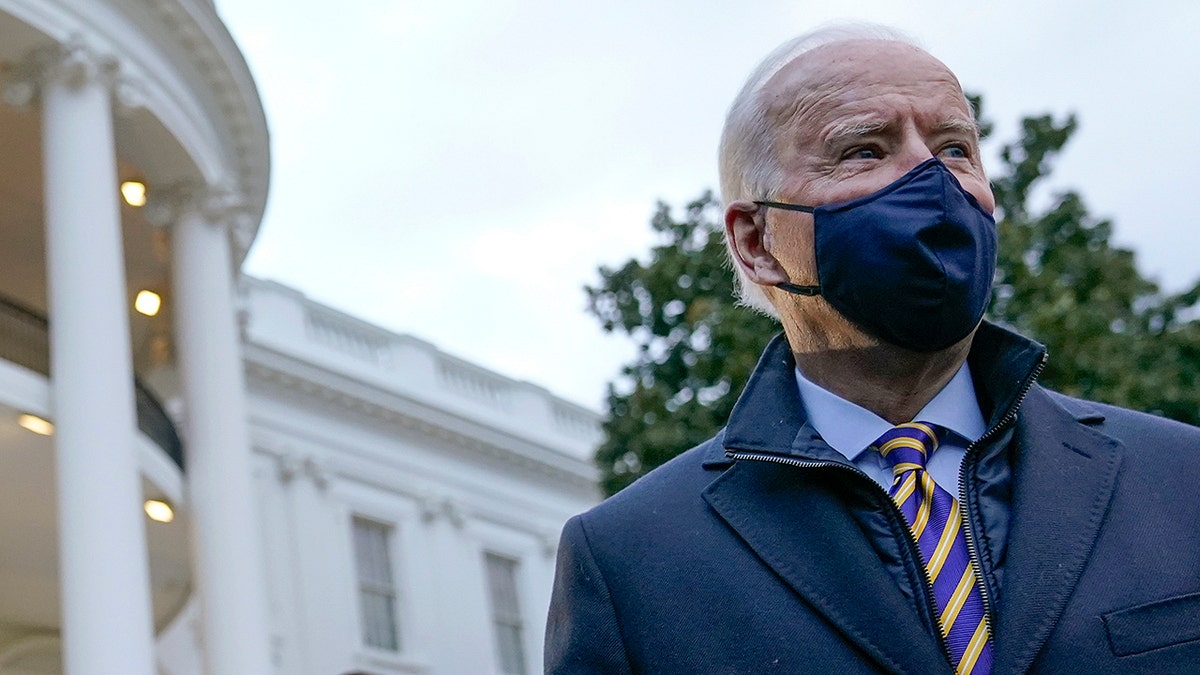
x=748 y=165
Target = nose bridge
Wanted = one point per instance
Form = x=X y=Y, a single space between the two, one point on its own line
x=913 y=148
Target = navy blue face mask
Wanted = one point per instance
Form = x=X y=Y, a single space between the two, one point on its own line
x=911 y=264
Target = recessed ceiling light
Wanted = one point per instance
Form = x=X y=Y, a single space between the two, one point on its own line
x=134 y=192
x=36 y=424
x=159 y=510
x=147 y=302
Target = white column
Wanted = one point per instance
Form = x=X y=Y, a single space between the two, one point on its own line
x=224 y=515
x=107 y=625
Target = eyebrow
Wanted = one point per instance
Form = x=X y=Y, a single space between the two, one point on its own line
x=844 y=130
x=959 y=124
x=848 y=130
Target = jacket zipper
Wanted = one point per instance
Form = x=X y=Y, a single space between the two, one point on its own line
x=912 y=543
x=972 y=548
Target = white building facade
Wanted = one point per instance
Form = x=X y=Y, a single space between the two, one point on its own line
x=411 y=501
x=326 y=496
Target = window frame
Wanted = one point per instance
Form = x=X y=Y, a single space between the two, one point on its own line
x=392 y=535
x=512 y=618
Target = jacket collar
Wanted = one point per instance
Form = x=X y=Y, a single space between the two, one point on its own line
x=798 y=525
x=769 y=416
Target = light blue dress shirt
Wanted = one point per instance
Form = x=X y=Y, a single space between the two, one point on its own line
x=850 y=429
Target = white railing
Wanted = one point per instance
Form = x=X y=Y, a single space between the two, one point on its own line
x=332 y=330
x=284 y=319
x=575 y=423
x=475 y=383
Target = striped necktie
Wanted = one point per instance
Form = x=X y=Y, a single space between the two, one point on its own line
x=937 y=526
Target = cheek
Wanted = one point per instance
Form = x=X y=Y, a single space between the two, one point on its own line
x=981 y=190
x=986 y=199
x=793 y=246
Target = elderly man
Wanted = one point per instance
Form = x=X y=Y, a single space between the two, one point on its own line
x=893 y=491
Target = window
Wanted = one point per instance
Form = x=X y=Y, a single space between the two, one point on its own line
x=376 y=588
x=506 y=613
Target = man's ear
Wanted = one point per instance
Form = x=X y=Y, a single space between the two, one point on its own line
x=746 y=228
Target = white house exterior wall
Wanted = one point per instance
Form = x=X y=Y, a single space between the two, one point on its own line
x=339 y=430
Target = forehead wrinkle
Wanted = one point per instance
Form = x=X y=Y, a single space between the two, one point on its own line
x=788 y=107
x=799 y=99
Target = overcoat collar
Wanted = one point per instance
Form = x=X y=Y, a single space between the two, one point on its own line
x=802 y=526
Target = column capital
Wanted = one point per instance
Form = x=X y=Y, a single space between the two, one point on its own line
x=288 y=465
x=74 y=63
x=291 y=465
x=218 y=205
x=435 y=507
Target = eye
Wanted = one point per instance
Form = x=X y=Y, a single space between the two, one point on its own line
x=955 y=151
x=863 y=152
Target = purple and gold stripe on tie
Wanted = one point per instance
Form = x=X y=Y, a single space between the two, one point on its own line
x=935 y=520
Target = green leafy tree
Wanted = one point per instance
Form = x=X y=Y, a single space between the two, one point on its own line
x=696 y=346
x=1112 y=334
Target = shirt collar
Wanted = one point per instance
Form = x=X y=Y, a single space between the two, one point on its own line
x=849 y=428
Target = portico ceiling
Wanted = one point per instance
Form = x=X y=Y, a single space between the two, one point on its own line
x=200 y=88
x=23 y=238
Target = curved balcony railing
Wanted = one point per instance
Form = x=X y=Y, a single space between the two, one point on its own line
x=24 y=340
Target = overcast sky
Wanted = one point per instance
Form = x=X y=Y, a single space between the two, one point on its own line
x=458 y=170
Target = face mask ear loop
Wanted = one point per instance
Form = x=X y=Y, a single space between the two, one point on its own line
x=798 y=290
x=786 y=207
x=784 y=285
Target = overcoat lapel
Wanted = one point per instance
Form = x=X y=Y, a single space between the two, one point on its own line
x=1064 y=478
x=803 y=532
x=812 y=542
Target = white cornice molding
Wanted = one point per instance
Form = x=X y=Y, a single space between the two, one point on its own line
x=436 y=496
x=284 y=373
x=214 y=54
